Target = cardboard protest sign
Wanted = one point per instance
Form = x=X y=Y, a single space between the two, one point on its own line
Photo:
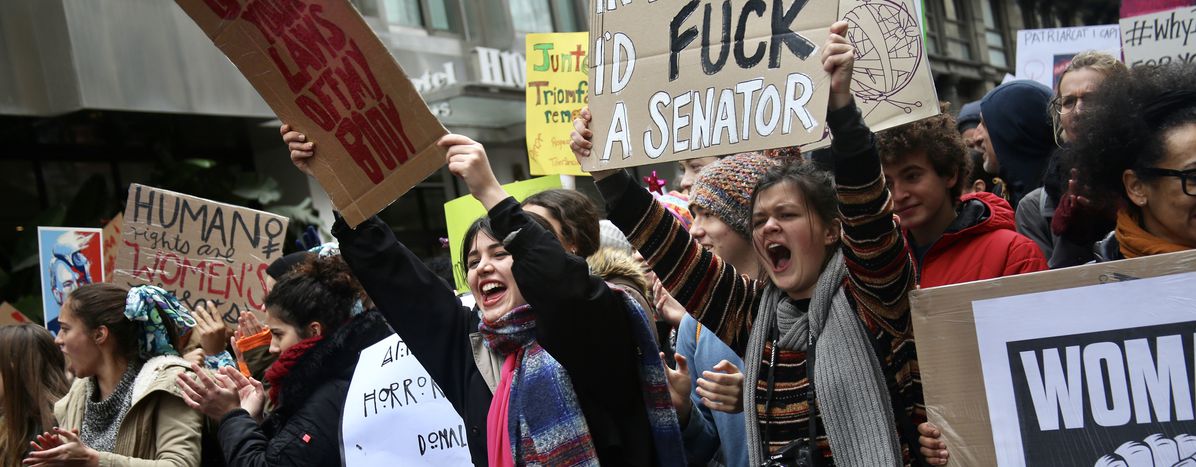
x=1160 y=38
x=1091 y=365
x=323 y=71
x=671 y=81
x=396 y=415
x=10 y=315
x=892 y=81
x=461 y=212
x=69 y=257
x=199 y=249
x=557 y=89
x=111 y=238
x=1043 y=54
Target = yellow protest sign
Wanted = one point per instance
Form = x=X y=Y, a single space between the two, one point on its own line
x=461 y=212
x=558 y=88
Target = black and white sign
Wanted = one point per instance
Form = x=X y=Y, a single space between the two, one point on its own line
x=1093 y=376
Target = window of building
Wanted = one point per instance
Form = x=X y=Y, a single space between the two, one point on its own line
x=431 y=14
x=993 y=38
x=957 y=29
x=404 y=13
x=933 y=34
x=530 y=16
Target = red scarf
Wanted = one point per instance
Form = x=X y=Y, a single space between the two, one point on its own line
x=282 y=367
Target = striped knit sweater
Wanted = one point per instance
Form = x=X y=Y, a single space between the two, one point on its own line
x=881 y=273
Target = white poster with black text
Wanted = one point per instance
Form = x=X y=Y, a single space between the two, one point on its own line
x=1092 y=376
x=396 y=415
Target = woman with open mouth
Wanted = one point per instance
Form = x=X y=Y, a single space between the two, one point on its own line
x=558 y=369
x=581 y=379
x=839 y=274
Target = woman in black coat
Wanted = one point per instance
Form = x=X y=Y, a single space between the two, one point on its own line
x=579 y=321
x=317 y=342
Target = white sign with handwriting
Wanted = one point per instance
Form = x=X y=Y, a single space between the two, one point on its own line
x=396 y=415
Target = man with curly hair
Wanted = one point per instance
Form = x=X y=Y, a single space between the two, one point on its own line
x=954 y=239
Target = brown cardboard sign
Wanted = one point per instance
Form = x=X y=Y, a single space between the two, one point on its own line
x=199 y=249
x=10 y=315
x=1063 y=367
x=323 y=71
x=111 y=238
x=679 y=80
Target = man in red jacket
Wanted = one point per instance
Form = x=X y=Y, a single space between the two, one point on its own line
x=954 y=240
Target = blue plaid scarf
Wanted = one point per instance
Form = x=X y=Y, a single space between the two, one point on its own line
x=548 y=427
x=545 y=422
x=666 y=430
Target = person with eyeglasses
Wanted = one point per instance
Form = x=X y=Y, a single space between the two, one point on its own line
x=1062 y=224
x=1136 y=151
x=1065 y=226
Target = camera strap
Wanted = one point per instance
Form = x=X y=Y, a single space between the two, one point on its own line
x=811 y=421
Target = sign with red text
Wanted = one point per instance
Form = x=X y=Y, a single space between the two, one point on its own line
x=198 y=249
x=395 y=414
x=687 y=79
x=111 y=239
x=1160 y=38
x=324 y=72
x=10 y=315
x=557 y=89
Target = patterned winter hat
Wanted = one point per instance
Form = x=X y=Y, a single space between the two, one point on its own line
x=724 y=188
x=611 y=237
x=676 y=204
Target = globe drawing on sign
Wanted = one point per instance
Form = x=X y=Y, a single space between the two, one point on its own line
x=888 y=44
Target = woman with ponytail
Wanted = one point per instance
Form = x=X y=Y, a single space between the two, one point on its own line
x=317 y=332
x=123 y=408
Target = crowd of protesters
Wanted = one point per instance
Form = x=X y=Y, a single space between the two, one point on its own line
x=759 y=315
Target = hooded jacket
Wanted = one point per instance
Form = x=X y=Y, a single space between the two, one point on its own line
x=304 y=428
x=158 y=431
x=981 y=243
x=1016 y=115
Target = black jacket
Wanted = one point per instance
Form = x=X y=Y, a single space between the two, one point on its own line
x=584 y=324
x=304 y=428
x=579 y=321
x=427 y=316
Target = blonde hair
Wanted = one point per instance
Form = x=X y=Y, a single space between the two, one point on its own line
x=1099 y=62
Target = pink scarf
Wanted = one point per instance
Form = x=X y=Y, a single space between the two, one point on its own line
x=498 y=436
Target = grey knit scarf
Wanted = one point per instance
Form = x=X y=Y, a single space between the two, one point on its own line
x=850 y=388
x=102 y=418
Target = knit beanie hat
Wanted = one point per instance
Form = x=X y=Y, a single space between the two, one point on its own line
x=676 y=204
x=724 y=188
x=611 y=237
x=969 y=117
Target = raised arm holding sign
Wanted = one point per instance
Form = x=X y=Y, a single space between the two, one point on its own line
x=321 y=68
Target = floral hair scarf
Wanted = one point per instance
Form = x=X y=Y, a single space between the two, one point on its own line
x=150 y=307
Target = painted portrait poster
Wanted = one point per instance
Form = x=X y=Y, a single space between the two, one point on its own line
x=68 y=257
